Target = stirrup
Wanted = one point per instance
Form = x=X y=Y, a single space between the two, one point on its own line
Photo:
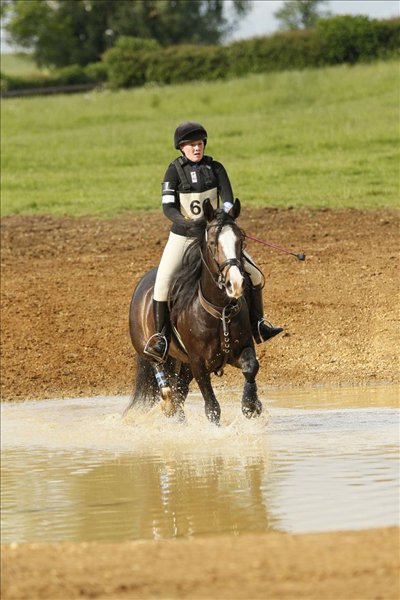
x=148 y=349
x=273 y=330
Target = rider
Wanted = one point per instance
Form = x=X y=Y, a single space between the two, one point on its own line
x=189 y=180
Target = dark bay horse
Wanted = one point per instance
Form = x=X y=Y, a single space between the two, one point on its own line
x=210 y=318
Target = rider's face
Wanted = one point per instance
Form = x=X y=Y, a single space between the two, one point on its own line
x=194 y=151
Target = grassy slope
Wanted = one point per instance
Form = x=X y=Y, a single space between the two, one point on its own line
x=325 y=137
x=18 y=64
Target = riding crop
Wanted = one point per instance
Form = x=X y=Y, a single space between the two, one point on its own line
x=299 y=255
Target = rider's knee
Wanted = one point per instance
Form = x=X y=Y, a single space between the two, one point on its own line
x=256 y=276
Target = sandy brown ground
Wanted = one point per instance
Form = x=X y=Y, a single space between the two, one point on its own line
x=66 y=287
x=354 y=565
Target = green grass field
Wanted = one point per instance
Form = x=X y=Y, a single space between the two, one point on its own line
x=313 y=138
x=18 y=64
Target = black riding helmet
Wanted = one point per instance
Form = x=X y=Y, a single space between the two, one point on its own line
x=189 y=132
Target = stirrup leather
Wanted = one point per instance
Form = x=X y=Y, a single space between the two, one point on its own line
x=148 y=348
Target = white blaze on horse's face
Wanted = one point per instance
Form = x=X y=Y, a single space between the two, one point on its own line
x=234 y=280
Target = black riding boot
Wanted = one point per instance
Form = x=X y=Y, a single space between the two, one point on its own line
x=162 y=336
x=262 y=330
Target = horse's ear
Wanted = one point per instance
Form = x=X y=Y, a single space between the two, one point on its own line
x=208 y=210
x=235 y=210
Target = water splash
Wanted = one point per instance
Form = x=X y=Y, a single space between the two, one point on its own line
x=76 y=469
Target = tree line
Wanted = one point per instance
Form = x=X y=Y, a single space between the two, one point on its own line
x=311 y=39
x=78 y=32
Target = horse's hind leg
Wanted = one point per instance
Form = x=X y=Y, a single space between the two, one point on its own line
x=251 y=405
x=173 y=389
x=168 y=404
x=153 y=384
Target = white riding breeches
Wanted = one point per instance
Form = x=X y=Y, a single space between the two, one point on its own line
x=171 y=261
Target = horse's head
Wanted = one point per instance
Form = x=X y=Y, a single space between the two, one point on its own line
x=224 y=242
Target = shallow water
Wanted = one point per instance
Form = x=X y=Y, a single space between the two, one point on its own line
x=318 y=459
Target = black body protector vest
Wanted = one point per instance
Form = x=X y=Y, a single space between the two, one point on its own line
x=196 y=183
x=186 y=186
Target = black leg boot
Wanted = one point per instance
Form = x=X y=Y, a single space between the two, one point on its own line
x=262 y=330
x=157 y=345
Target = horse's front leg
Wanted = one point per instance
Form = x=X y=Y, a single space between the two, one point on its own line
x=251 y=405
x=211 y=404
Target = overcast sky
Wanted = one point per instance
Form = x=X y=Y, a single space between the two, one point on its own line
x=261 y=19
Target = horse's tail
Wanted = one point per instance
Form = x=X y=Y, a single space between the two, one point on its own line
x=146 y=392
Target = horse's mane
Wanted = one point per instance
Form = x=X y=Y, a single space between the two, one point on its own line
x=186 y=281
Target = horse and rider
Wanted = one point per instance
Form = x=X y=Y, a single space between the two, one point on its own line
x=188 y=181
x=197 y=198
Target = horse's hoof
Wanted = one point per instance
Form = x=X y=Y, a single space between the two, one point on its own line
x=167 y=404
x=214 y=417
x=172 y=409
x=253 y=410
x=168 y=408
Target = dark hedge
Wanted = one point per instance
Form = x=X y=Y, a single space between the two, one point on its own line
x=134 y=62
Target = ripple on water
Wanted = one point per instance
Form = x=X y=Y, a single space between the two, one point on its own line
x=319 y=459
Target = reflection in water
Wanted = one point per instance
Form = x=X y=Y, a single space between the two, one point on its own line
x=73 y=470
x=131 y=497
x=163 y=499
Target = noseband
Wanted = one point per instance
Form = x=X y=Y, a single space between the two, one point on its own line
x=231 y=262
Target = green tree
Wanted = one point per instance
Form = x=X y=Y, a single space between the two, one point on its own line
x=299 y=14
x=64 y=32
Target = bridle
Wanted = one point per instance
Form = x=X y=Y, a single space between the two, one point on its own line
x=219 y=277
x=232 y=308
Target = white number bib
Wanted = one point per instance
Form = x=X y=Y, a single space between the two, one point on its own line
x=192 y=202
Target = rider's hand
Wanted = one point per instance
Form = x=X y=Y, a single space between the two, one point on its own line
x=196 y=228
x=227 y=206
